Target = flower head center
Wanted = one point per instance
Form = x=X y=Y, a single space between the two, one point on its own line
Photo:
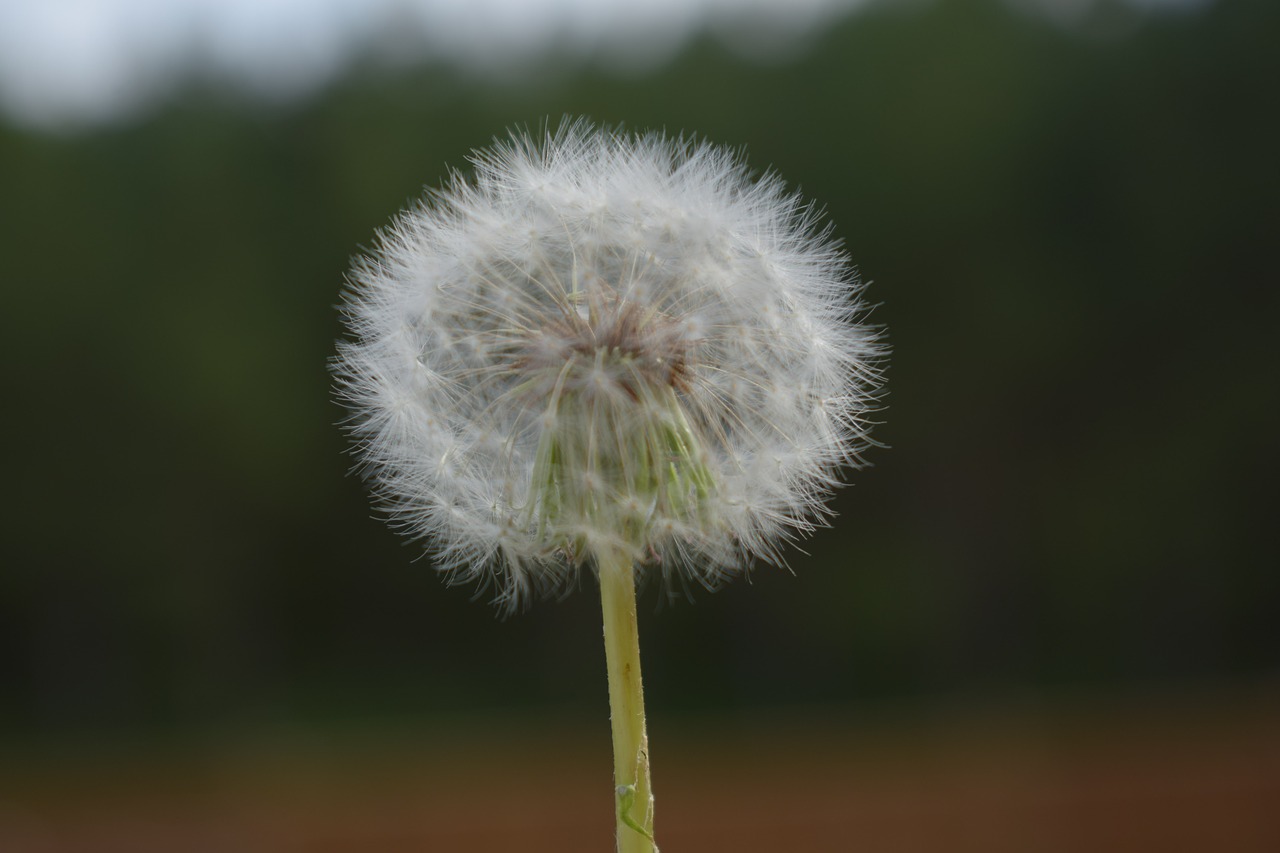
x=602 y=344
x=618 y=459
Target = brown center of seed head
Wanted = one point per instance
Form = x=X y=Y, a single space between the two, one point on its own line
x=628 y=342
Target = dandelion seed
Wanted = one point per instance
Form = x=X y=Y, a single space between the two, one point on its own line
x=606 y=341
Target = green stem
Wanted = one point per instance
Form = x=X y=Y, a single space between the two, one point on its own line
x=634 y=796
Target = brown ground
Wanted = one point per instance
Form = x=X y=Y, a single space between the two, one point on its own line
x=1162 y=776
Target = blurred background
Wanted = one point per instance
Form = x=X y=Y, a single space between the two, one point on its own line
x=1048 y=618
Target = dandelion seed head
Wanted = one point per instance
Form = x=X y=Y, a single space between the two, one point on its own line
x=606 y=342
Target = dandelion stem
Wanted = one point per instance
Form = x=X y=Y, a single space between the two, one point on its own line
x=634 y=796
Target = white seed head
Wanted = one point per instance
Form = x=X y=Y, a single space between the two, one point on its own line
x=606 y=342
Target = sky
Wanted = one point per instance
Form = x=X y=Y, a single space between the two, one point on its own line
x=70 y=63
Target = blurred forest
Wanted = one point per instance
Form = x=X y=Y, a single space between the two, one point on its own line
x=1072 y=233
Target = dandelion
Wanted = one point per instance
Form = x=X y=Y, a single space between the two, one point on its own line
x=614 y=352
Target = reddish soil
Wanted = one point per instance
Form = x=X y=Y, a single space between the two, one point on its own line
x=1130 y=779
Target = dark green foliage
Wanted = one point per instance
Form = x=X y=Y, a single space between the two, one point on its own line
x=1073 y=236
